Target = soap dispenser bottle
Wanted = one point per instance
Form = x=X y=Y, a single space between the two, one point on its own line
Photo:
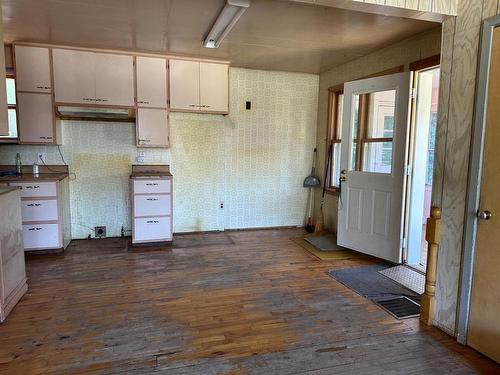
x=19 y=164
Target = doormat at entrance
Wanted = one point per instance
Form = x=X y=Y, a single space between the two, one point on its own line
x=327 y=255
x=400 y=308
x=327 y=242
x=370 y=283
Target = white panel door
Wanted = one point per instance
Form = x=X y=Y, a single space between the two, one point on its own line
x=214 y=87
x=373 y=179
x=33 y=69
x=74 y=76
x=151 y=74
x=114 y=79
x=184 y=85
x=152 y=127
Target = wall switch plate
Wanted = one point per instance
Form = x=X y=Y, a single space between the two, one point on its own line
x=100 y=232
x=41 y=157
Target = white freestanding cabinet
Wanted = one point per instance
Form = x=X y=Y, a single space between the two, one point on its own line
x=82 y=77
x=199 y=86
x=151 y=75
x=35 y=118
x=151 y=192
x=33 y=71
x=12 y=269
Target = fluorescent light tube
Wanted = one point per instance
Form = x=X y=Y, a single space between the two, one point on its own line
x=227 y=18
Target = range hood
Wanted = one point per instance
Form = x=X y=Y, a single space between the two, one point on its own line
x=95 y=113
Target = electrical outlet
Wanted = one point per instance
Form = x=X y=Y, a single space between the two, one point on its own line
x=100 y=232
x=141 y=155
x=41 y=157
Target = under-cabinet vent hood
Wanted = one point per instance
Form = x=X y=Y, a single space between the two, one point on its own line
x=95 y=113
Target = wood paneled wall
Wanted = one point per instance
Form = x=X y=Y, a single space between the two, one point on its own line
x=448 y=7
x=459 y=62
x=439 y=7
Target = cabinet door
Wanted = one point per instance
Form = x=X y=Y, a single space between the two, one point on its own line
x=151 y=82
x=114 y=79
x=36 y=118
x=214 y=87
x=184 y=85
x=74 y=76
x=152 y=127
x=33 y=69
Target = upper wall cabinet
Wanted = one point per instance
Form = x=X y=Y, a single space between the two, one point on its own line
x=33 y=69
x=82 y=77
x=151 y=73
x=199 y=86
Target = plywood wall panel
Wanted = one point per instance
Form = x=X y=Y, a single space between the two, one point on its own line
x=441 y=6
x=411 y=4
x=425 y=5
x=490 y=8
x=458 y=127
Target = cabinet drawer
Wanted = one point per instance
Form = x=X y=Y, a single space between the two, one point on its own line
x=152 y=186
x=152 y=205
x=37 y=189
x=44 y=236
x=39 y=210
x=153 y=229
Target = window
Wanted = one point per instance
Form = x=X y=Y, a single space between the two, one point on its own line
x=11 y=102
x=336 y=101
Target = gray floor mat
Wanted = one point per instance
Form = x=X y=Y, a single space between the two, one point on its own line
x=369 y=283
x=325 y=243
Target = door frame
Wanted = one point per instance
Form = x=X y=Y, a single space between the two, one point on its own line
x=475 y=176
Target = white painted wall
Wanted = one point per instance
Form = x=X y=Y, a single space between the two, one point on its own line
x=254 y=161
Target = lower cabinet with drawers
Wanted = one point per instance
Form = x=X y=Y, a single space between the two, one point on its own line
x=151 y=208
x=45 y=214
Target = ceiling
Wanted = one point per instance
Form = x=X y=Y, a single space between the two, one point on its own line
x=271 y=34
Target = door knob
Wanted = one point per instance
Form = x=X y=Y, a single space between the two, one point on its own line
x=484 y=215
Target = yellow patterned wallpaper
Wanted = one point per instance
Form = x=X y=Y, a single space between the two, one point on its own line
x=252 y=161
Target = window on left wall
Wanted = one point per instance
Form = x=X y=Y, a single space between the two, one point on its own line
x=12 y=113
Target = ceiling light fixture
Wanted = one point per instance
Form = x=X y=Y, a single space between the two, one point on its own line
x=227 y=18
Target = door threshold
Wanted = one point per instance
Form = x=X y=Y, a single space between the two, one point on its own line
x=416 y=267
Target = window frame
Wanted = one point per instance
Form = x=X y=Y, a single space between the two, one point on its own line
x=333 y=135
x=10 y=74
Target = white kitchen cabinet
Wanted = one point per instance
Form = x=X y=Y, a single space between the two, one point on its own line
x=151 y=192
x=151 y=77
x=114 y=79
x=214 y=87
x=12 y=269
x=184 y=85
x=35 y=118
x=199 y=86
x=74 y=76
x=45 y=214
x=33 y=71
x=82 y=77
x=152 y=127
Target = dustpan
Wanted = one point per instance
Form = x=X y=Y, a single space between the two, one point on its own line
x=312 y=181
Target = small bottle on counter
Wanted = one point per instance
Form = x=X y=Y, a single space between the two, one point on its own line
x=19 y=164
x=36 y=169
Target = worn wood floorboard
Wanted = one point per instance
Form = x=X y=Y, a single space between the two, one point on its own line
x=257 y=304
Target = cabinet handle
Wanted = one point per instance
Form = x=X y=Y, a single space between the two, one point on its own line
x=142 y=102
x=151 y=184
x=152 y=221
x=151 y=199
x=34 y=205
x=103 y=100
x=144 y=140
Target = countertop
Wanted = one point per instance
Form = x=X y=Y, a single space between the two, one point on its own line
x=139 y=175
x=5 y=190
x=29 y=177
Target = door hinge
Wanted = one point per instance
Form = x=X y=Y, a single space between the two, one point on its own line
x=413 y=93
x=403 y=243
x=407 y=169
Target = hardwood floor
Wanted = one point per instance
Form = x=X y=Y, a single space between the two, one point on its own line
x=251 y=302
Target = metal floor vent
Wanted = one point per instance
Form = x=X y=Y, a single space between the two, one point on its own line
x=400 y=307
